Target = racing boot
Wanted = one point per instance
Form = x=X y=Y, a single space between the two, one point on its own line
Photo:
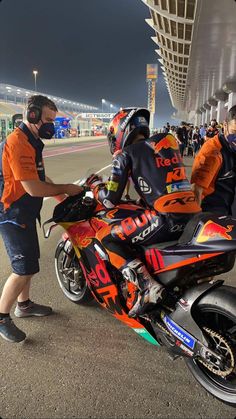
x=150 y=291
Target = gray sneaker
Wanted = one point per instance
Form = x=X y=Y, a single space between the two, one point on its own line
x=32 y=309
x=10 y=332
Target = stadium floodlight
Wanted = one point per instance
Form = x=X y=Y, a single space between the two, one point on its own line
x=35 y=73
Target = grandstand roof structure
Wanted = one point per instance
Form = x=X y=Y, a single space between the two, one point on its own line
x=13 y=99
x=196 y=42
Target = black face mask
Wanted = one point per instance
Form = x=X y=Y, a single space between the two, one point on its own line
x=47 y=130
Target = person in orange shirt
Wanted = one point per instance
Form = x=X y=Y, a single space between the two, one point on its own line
x=213 y=174
x=23 y=184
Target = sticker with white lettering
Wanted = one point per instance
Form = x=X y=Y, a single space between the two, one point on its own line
x=180 y=333
x=178 y=187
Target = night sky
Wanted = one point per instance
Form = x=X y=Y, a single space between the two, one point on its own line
x=84 y=50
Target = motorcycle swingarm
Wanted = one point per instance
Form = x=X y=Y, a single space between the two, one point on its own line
x=189 y=339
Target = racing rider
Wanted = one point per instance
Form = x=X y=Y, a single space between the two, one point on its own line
x=157 y=171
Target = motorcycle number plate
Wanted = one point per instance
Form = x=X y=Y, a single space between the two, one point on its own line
x=180 y=333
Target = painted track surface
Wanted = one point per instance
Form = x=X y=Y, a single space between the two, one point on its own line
x=71 y=149
x=81 y=362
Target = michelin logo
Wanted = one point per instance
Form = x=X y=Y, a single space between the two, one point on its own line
x=180 y=333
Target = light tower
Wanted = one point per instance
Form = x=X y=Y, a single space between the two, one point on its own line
x=151 y=78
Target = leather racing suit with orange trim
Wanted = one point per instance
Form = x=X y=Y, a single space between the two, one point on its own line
x=158 y=173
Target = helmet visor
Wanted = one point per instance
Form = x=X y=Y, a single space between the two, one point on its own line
x=138 y=121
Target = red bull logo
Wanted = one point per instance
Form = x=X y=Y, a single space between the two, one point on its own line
x=212 y=230
x=116 y=121
x=161 y=162
x=167 y=142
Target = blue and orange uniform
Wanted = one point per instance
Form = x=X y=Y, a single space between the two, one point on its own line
x=20 y=160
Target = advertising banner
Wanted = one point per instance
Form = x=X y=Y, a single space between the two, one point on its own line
x=152 y=70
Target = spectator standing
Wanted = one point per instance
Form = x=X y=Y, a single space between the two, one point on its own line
x=196 y=141
x=182 y=137
x=203 y=129
x=172 y=130
x=212 y=130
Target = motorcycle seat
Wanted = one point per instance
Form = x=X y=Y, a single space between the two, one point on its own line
x=188 y=232
x=161 y=246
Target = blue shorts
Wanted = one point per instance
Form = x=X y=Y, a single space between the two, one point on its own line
x=22 y=246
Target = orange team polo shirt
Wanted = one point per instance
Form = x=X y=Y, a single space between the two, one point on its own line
x=207 y=165
x=18 y=163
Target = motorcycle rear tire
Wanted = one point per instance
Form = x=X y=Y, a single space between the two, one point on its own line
x=78 y=295
x=213 y=311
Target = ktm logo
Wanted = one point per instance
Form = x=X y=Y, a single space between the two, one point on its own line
x=177 y=174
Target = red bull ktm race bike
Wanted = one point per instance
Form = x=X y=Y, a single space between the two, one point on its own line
x=198 y=319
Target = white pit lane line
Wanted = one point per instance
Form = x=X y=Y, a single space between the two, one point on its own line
x=77 y=181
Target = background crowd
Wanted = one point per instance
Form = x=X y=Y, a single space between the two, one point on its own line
x=190 y=137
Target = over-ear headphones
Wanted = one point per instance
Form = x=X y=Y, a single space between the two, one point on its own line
x=34 y=114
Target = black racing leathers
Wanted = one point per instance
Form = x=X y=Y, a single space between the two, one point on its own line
x=157 y=171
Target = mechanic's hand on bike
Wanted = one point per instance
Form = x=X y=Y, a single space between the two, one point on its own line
x=72 y=189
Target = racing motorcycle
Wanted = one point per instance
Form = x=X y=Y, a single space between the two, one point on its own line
x=198 y=319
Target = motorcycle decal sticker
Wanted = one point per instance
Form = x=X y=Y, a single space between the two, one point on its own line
x=183 y=304
x=129 y=226
x=189 y=261
x=214 y=231
x=112 y=186
x=154 y=259
x=111 y=299
x=180 y=333
x=184 y=348
x=81 y=234
x=116 y=164
x=178 y=186
x=177 y=227
x=111 y=214
x=143 y=234
x=108 y=204
x=98 y=223
x=146 y=335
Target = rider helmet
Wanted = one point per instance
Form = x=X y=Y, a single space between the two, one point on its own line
x=125 y=125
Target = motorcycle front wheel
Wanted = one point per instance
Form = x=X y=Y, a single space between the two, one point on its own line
x=216 y=315
x=70 y=275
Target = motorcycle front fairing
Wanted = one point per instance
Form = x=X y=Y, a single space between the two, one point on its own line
x=92 y=259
